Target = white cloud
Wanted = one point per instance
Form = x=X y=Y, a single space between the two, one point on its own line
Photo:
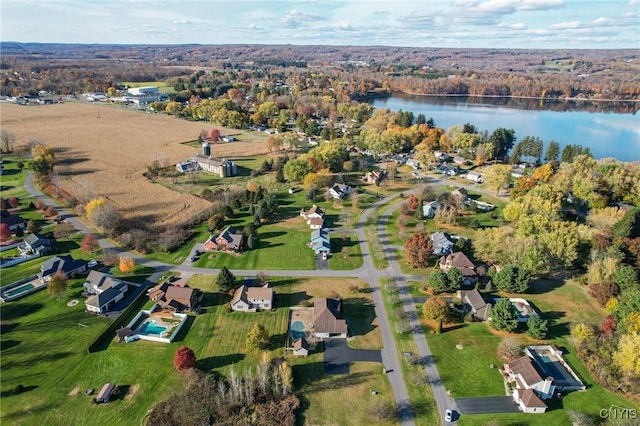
x=295 y=18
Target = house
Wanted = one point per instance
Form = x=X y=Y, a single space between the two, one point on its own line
x=252 y=299
x=518 y=171
x=430 y=209
x=106 y=393
x=106 y=291
x=527 y=376
x=460 y=160
x=174 y=298
x=37 y=243
x=528 y=401
x=461 y=261
x=14 y=222
x=230 y=239
x=543 y=370
x=461 y=194
x=475 y=177
x=187 y=166
x=442 y=156
x=339 y=191
x=320 y=241
x=375 y=176
x=442 y=243
x=65 y=264
x=314 y=217
x=476 y=303
x=415 y=164
x=300 y=347
x=326 y=319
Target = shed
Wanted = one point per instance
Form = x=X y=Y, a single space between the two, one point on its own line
x=105 y=393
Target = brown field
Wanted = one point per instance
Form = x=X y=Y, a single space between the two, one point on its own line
x=107 y=149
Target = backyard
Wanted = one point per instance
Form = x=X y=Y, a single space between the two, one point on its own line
x=51 y=339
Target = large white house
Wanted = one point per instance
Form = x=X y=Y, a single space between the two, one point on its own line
x=252 y=299
x=106 y=291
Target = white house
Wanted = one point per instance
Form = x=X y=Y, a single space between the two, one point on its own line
x=429 y=210
x=314 y=217
x=106 y=291
x=252 y=299
x=339 y=191
x=475 y=177
x=528 y=401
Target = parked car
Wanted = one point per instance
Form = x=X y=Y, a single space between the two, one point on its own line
x=448 y=415
x=192 y=259
x=92 y=263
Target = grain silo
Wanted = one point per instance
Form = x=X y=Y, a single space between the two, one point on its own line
x=206 y=149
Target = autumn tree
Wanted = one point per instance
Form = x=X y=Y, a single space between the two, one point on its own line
x=126 y=264
x=503 y=317
x=225 y=280
x=626 y=356
x=8 y=139
x=57 y=284
x=582 y=335
x=436 y=309
x=63 y=230
x=33 y=226
x=497 y=176
x=184 y=358
x=509 y=349
x=5 y=232
x=418 y=250
x=215 y=222
x=258 y=337
x=608 y=327
x=42 y=161
x=214 y=135
x=14 y=202
x=89 y=243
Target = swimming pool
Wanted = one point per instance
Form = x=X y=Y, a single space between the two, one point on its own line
x=150 y=327
x=18 y=290
x=297 y=330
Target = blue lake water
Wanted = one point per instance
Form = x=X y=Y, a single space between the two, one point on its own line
x=606 y=134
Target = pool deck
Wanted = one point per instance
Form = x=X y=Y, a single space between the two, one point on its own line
x=305 y=316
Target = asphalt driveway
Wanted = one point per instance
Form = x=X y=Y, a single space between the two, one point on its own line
x=338 y=355
x=487 y=405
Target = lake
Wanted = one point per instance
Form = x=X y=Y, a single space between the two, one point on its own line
x=607 y=134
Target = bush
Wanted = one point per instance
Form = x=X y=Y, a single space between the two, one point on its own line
x=184 y=358
x=509 y=349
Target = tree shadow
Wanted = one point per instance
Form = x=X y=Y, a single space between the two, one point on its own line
x=185 y=328
x=285 y=300
x=210 y=299
x=212 y=362
x=8 y=327
x=544 y=285
x=121 y=392
x=454 y=327
x=7 y=344
x=271 y=234
x=18 y=309
x=276 y=341
x=360 y=314
x=11 y=392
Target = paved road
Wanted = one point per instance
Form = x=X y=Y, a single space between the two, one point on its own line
x=367 y=272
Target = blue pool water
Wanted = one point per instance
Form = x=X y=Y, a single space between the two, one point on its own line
x=297 y=330
x=18 y=290
x=150 y=327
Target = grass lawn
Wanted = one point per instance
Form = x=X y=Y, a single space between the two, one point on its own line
x=346 y=252
x=44 y=349
x=421 y=396
x=466 y=371
x=278 y=247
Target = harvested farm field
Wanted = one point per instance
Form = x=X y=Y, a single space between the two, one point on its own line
x=106 y=149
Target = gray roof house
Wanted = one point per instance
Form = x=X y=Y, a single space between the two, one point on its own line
x=429 y=209
x=37 y=243
x=106 y=291
x=252 y=299
x=442 y=243
x=326 y=319
x=473 y=298
x=65 y=264
x=320 y=242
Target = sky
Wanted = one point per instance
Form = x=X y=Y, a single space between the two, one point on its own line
x=548 y=24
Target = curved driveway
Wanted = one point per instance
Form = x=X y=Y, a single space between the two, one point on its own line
x=367 y=272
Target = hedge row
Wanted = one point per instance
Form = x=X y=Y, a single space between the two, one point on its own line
x=110 y=330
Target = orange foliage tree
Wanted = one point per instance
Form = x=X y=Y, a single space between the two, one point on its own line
x=127 y=264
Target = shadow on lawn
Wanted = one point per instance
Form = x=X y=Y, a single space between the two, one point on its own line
x=286 y=300
x=7 y=344
x=276 y=341
x=11 y=392
x=185 y=328
x=15 y=310
x=361 y=315
x=212 y=362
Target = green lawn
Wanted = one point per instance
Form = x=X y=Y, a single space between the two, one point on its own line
x=466 y=372
x=278 y=248
x=44 y=349
x=346 y=253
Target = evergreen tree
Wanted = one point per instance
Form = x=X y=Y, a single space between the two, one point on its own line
x=536 y=327
x=225 y=280
x=455 y=279
x=503 y=317
x=438 y=281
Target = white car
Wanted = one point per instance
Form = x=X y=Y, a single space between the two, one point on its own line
x=92 y=263
x=447 y=415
